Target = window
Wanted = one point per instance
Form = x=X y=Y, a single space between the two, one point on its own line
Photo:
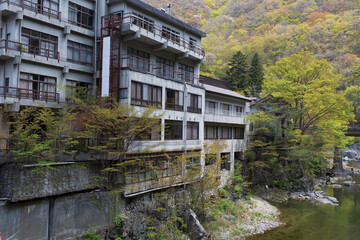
x=76 y=89
x=211 y=132
x=143 y=22
x=81 y=16
x=174 y=100
x=170 y=34
x=39 y=43
x=225 y=132
x=38 y=87
x=194 y=103
x=239 y=132
x=226 y=109
x=165 y=67
x=138 y=60
x=79 y=53
x=210 y=159
x=145 y=95
x=46 y=7
x=210 y=107
x=192 y=43
x=186 y=73
x=238 y=111
x=154 y=133
x=192 y=131
x=173 y=130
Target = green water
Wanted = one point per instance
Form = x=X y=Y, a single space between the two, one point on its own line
x=306 y=221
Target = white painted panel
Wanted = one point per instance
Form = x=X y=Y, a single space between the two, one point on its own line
x=105 y=75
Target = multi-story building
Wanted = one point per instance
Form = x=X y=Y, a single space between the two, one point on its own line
x=131 y=51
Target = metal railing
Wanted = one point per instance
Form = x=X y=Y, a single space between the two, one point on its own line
x=25 y=48
x=23 y=93
x=151 y=28
x=145 y=65
x=35 y=7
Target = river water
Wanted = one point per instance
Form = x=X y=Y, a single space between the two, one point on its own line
x=307 y=221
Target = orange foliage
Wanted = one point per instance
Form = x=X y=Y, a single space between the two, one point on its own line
x=315 y=17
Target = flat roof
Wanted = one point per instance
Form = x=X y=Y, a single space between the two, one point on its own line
x=226 y=92
x=148 y=8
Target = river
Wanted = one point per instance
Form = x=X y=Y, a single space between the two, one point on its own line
x=307 y=221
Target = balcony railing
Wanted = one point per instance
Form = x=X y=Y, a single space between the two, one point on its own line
x=217 y=111
x=147 y=66
x=151 y=28
x=23 y=93
x=25 y=48
x=35 y=7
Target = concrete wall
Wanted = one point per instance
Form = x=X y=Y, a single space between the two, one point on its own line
x=62 y=218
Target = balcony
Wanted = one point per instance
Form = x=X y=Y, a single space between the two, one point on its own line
x=23 y=93
x=155 y=35
x=149 y=67
x=7 y=45
x=31 y=6
x=224 y=116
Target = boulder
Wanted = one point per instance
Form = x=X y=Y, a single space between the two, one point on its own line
x=349 y=183
x=350 y=155
x=335 y=186
x=195 y=230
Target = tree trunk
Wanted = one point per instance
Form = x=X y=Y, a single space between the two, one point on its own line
x=338 y=164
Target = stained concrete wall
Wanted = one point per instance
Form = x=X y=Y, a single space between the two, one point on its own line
x=56 y=218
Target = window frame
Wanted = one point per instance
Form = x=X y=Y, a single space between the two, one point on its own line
x=75 y=47
x=172 y=128
x=154 y=94
x=177 y=105
x=192 y=130
x=81 y=16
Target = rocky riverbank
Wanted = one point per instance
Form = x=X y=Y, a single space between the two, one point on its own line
x=253 y=216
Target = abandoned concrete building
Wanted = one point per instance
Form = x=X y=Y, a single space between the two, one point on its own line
x=139 y=54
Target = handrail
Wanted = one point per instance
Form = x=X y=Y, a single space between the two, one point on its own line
x=24 y=93
x=129 y=18
x=21 y=47
x=35 y=7
x=144 y=65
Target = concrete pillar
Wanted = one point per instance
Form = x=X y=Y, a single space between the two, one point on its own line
x=4 y=130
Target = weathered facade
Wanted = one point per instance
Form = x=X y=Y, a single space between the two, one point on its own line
x=127 y=49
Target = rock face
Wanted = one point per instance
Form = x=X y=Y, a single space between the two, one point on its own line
x=317 y=196
x=195 y=230
x=350 y=155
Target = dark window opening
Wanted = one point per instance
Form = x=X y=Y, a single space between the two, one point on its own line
x=173 y=130
x=174 y=100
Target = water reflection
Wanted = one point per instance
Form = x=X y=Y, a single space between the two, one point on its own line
x=306 y=221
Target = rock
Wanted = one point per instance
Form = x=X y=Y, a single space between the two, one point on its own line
x=326 y=201
x=349 y=183
x=333 y=199
x=196 y=230
x=335 y=186
x=350 y=155
x=311 y=195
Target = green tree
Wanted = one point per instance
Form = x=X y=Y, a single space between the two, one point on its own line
x=41 y=134
x=238 y=73
x=256 y=74
x=114 y=128
x=303 y=98
x=352 y=93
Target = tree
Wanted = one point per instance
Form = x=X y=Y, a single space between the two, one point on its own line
x=238 y=73
x=113 y=128
x=256 y=74
x=41 y=135
x=302 y=95
x=352 y=93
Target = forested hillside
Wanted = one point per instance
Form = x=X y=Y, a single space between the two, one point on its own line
x=274 y=29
